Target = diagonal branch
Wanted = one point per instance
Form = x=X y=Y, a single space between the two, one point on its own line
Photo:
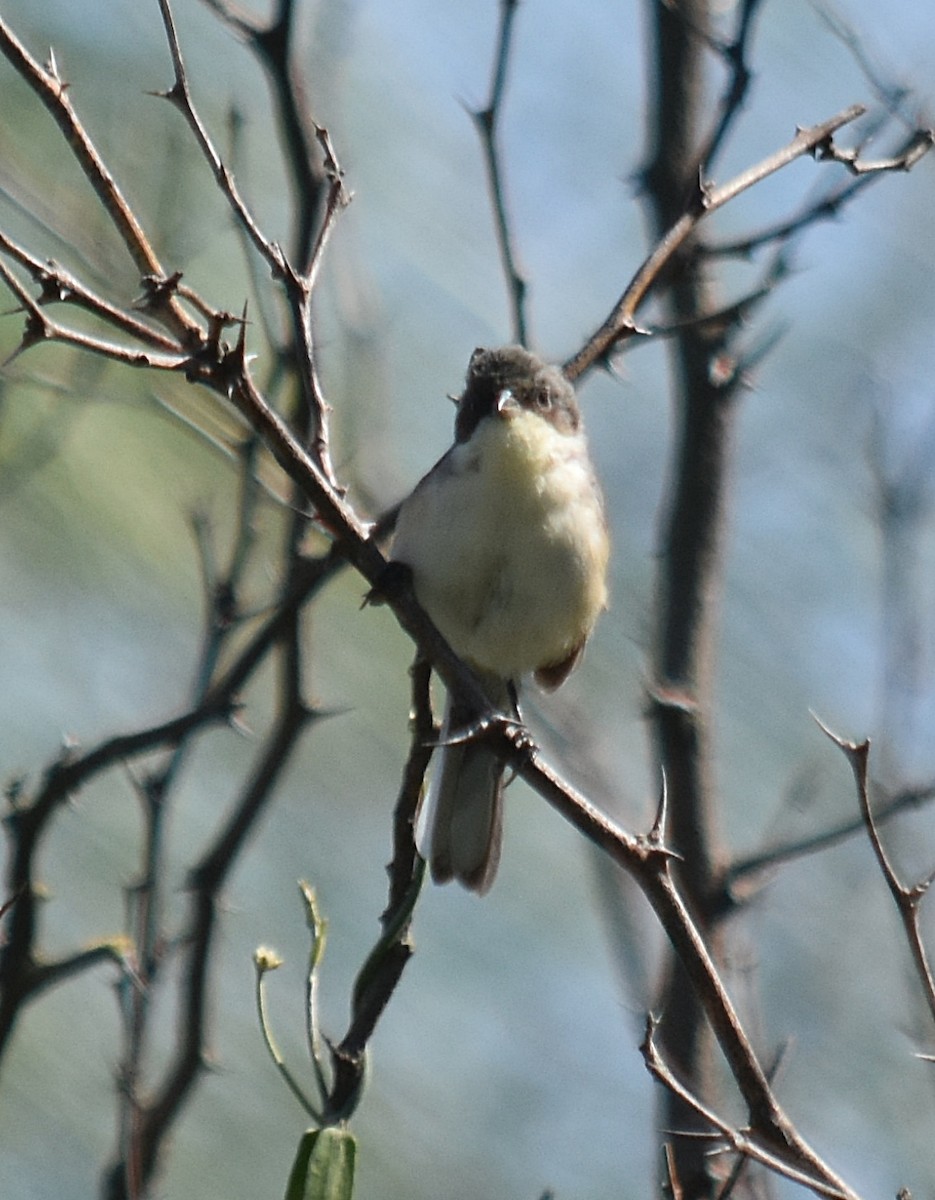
x=180 y=96
x=487 y=121
x=649 y=862
x=817 y=141
x=744 y=874
x=57 y=285
x=742 y=1142
x=907 y=899
x=41 y=328
x=53 y=92
x=735 y=91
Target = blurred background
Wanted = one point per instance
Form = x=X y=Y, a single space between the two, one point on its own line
x=507 y=1062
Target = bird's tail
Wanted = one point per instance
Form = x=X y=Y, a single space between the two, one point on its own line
x=460 y=826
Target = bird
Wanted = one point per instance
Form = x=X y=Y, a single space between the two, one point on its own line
x=507 y=544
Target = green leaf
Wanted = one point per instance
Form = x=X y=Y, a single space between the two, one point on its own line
x=324 y=1166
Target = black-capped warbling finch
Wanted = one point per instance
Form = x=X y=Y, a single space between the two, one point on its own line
x=507 y=544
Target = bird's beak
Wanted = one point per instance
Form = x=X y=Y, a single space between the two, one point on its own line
x=507 y=404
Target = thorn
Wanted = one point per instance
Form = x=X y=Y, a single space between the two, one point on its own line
x=658 y=831
x=849 y=747
x=242 y=335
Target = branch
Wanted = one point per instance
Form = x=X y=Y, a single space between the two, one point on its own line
x=917 y=146
x=735 y=91
x=159 y=1115
x=487 y=120
x=378 y=977
x=226 y=372
x=649 y=862
x=40 y=328
x=907 y=899
x=620 y=325
x=59 y=286
x=744 y=873
x=273 y=45
x=52 y=90
x=180 y=96
x=740 y=1141
x=298 y=281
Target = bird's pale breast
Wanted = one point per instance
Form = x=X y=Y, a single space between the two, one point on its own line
x=509 y=551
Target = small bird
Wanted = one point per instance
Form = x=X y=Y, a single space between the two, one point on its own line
x=507 y=544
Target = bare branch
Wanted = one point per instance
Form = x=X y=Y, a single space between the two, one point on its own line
x=41 y=328
x=298 y=280
x=53 y=92
x=619 y=325
x=743 y=1142
x=907 y=899
x=738 y=82
x=917 y=146
x=48 y=974
x=650 y=864
x=744 y=874
x=58 y=285
x=226 y=371
x=338 y=198
x=487 y=120
x=180 y=95
x=158 y=1116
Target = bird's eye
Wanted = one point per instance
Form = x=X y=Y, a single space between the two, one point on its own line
x=542 y=400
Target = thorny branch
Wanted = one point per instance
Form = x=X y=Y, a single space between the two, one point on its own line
x=906 y=899
x=619 y=325
x=742 y=1142
x=53 y=92
x=817 y=141
x=298 y=282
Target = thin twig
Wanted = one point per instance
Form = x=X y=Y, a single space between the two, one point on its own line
x=619 y=325
x=743 y=873
x=180 y=95
x=906 y=899
x=738 y=82
x=487 y=120
x=300 y=134
x=917 y=146
x=740 y=1141
x=297 y=281
x=40 y=327
x=59 y=286
x=53 y=92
